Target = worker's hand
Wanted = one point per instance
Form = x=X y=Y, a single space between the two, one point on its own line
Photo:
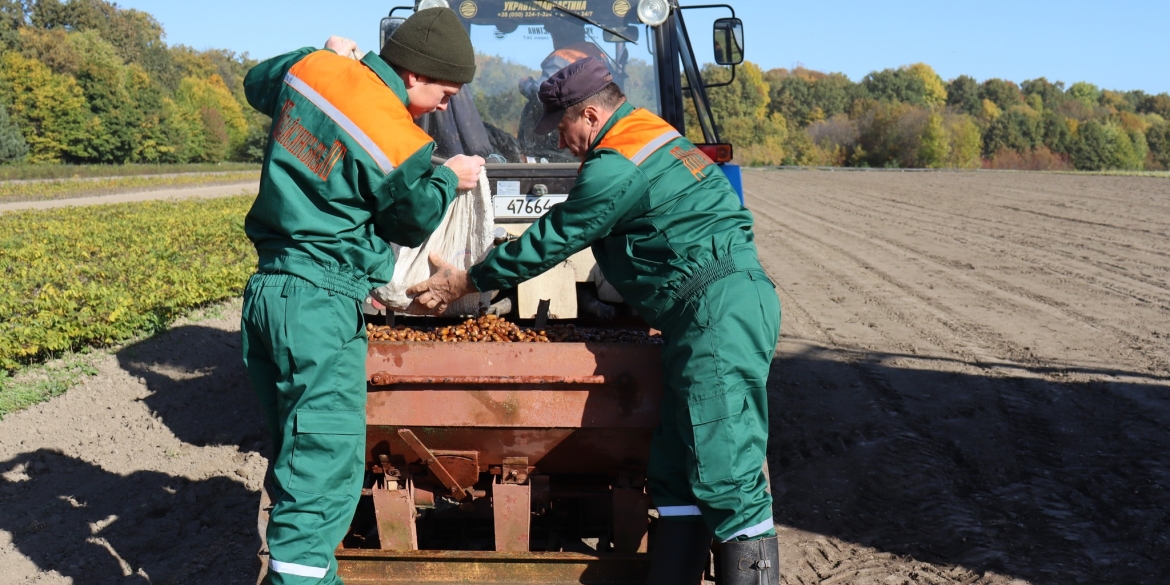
x=446 y=285
x=466 y=168
x=344 y=47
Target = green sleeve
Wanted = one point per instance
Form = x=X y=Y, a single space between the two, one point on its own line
x=609 y=185
x=263 y=82
x=412 y=199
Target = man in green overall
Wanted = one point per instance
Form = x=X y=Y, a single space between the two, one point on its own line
x=346 y=172
x=669 y=233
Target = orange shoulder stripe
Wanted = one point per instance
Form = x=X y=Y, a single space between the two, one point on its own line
x=356 y=99
x=638 y=135
x=574 y=53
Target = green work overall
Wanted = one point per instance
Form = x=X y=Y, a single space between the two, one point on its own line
x=669 y=233
x=346 y=171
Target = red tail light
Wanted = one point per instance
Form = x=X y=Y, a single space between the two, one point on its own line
x=719 y=153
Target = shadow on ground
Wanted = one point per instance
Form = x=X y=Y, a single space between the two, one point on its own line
x=1050 y=481
x=93 y=525
x=199 y=387
x=101 y=528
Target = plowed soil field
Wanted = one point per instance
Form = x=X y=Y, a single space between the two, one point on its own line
x=973 y=387
x=973 y=384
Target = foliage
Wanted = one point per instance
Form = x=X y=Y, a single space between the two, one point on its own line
x=49 y=108
x=1158 y=138
x=87 y=81
x=963 y=93
x=95 y=275
x=965 y=142
x=12 y=144
x=63 y=189
x=915 y=84
x=1050 y=94
x=40 y=383
x=744 y=118
x=1041 y=159
x=495 y=91
x=804 y=97
x=934 y=146
x=1004 y=94
x=908 y=117
x=1086 y=93
x=91 y=82
x=1019 y=129
x=934 y=90
x=1100 y=146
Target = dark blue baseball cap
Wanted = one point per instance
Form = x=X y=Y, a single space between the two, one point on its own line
x=570 y=86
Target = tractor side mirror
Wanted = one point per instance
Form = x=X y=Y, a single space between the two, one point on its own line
x=728 y=41
x=387 y=27
x=630 y=31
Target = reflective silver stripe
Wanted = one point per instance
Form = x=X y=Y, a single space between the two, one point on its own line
x=341 y=120
x=298 y=570
x=654 y=145
x=751 y=531
x=679 y=511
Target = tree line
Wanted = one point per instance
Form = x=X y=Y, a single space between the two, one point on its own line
x=85 y=81
x=909 y=117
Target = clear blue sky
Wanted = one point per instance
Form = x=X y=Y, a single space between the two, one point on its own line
x=1122 y=44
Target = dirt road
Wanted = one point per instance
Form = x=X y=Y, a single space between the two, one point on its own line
x=204 y=191
x=973 y=386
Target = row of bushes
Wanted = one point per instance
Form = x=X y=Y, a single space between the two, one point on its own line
x=98 y=275
x=910 y=117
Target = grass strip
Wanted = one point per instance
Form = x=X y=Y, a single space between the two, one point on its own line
x=44 y=381
x=39 y=383
x=94 y=276
x=38 y=172
x=72 y=188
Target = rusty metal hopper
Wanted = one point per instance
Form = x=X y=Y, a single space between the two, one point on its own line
x=515 y=437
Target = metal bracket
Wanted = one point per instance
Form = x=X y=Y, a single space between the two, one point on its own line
x=394 y=507
x=542 y=314
x=512 y=506
x=432 y=462
x=515 y=471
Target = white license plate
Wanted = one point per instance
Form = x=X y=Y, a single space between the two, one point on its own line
x=521 y=206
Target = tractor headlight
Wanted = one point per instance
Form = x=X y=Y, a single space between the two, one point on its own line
x=433 y=4
x=653 y=12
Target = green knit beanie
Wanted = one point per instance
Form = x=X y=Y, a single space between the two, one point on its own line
x=433 y=43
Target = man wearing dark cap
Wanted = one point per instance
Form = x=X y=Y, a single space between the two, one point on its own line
x=346 y=172
x=669 y=233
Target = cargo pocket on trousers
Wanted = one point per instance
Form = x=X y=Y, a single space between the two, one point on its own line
x=713 y=421
x=327 y=450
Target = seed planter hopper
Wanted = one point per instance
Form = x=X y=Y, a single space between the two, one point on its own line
x=505 y=463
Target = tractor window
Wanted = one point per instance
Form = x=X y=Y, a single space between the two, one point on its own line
x=513 y=57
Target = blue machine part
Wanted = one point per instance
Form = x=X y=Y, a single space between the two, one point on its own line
x=734 y=177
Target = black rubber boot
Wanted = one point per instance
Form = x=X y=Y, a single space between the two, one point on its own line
x=753 y=562
x=680 y=553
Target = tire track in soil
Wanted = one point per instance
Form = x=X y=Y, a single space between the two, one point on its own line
x=909 y=317
x=895 y=468
x=1011 y=293
x=1072 y=241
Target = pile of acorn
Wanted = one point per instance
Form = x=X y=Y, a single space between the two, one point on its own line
x=491 y=328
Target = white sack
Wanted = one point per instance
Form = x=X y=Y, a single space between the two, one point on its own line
x=463 y=238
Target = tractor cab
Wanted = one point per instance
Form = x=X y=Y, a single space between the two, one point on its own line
x=519 y=44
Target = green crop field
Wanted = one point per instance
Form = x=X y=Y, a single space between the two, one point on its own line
x=93 y=276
